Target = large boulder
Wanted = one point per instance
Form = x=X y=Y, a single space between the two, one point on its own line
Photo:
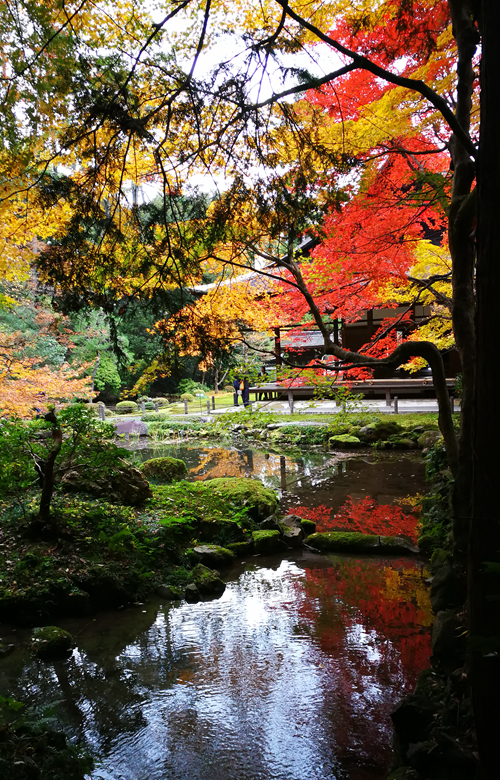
x=245 y=492
x=340 y=541
x=164 y=470
x=122 y=485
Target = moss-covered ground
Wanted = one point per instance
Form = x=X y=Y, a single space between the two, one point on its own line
x=106 y=555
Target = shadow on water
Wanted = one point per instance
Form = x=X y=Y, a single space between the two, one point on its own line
x=290 y=675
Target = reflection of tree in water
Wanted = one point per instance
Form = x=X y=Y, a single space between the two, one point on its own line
x=374 y=617
x=220 y=462
x=364 y=515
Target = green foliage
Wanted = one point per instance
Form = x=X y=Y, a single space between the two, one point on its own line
x=190 y=386
x=107 y=377
x=188 y=397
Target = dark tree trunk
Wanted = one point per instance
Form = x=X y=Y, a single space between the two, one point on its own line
x=484 y=584
x=48 y=472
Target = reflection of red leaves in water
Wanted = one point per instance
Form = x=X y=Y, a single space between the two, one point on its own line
x=371 y=618
x=364 y=516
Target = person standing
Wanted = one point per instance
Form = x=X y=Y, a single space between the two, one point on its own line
x=245 y=392
x=236 y=386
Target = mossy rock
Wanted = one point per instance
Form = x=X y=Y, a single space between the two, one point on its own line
x=164 y=469
x=380 y=431
x=207 y=580
x=220 y=531
x=51 y=642
x=308 y=526
x=340 y=541
x=402 y=443
x=267 y=542
x=344 y=441
x=428 y=439
x=244 y=492
x=213 y=555
x=241 y=548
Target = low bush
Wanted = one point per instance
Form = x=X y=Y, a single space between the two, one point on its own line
x=187 y=397
x=126 y=407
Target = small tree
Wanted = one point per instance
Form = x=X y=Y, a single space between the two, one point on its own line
x=41 y=451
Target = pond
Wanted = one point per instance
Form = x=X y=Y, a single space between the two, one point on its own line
x=290 y=675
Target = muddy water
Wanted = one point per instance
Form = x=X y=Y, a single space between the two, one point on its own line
x=291 y=675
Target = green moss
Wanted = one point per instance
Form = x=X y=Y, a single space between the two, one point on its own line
x=241 y=548
x=206 y=580
x=164 y=469
x=340 y=541
x=259 y=501
x=51 y=642
x=213 y=555
x=266 y=542
x=308 y=526
x=344 y=440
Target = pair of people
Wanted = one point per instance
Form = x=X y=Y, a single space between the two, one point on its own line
x=244 y=386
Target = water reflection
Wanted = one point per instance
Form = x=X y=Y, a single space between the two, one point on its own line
x=290 y=675
x=338 y=492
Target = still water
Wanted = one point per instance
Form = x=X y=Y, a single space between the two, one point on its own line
x=290 y=675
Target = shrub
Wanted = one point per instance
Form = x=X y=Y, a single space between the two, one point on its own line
x=149 y=405
x=228 y=389
x=162 y=402
x=164 y=469
x=187 y=397
x=126 y=407
x=190 y=386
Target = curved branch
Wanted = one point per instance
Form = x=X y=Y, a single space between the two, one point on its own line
x=416 y=85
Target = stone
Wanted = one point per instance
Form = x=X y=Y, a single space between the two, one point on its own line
x=412 y=718
x=268 y=542
x=308 y=526
x=245 y=492
x=170 y=592
x=448 y=589
x=123 y=485
x=51 y=642
x=241 y=549
x=292 y=521
x=293 y=537
x=6 y=650
x=212 y=555
x=428 y=439
x=164 y=470
x=191 y=593
x=448 y=638
x=269 y=524
x=207 y=580
x=379 y=431
x=217 y=529
x=340 y=541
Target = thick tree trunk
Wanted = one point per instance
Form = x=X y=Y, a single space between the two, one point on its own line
x=463 y=253
x=484 y=581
